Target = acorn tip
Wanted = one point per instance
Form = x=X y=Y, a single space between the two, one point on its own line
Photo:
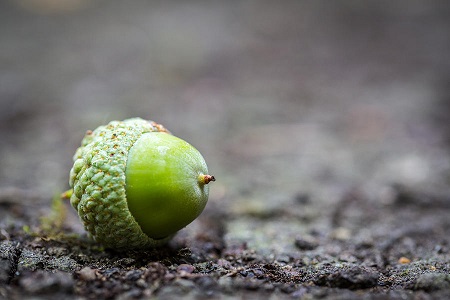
x=205 y=179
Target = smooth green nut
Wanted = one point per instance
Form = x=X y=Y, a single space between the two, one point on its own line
x=135 y=185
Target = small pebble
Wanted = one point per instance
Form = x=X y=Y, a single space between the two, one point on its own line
x=341 y=234
x=87 y=274
x=404 y=260
x=305 y=243
x=185 y=269
x=141 y=283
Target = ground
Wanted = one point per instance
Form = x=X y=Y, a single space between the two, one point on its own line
x=324 y=123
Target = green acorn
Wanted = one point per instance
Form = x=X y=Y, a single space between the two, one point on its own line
x=134 y=185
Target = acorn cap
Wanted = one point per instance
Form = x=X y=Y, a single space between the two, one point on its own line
x=98 y=182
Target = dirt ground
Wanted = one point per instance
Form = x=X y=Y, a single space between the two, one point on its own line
x=326 y=124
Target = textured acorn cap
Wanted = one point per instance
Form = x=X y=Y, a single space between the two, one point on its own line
x=98 y=182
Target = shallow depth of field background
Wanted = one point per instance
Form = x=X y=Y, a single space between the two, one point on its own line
x=288 y=101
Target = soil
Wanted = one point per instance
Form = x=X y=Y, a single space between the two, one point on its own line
x=325 y=124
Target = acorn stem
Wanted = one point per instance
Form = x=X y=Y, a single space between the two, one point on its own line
x=67 y=194
x=205 y=179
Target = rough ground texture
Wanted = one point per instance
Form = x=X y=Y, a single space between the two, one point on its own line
x=326 y=124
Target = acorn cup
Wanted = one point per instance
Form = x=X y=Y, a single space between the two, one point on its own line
x=134 y=184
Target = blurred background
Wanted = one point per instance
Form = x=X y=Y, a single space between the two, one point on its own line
x=288 y=101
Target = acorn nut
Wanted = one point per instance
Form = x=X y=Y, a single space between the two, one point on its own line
x=134 y=184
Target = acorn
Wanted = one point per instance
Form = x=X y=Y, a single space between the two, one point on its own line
x=135 y=185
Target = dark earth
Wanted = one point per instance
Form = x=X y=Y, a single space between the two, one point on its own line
x=325 y=123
